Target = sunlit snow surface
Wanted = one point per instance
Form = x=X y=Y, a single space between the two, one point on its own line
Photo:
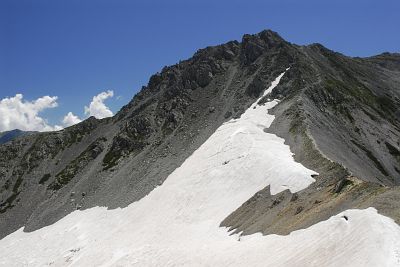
x=177 y=224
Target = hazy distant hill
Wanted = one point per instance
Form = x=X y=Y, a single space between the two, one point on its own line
x=10 y=135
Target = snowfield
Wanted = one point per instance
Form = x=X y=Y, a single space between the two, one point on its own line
x=177 y=224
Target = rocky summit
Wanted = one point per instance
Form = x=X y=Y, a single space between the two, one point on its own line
x=339 y=115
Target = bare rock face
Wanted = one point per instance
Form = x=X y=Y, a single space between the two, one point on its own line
x=340 y=115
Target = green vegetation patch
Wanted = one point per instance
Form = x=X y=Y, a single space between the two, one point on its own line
x=132 y=139
x=382 y=105
x=111 y=159
x=76 y=165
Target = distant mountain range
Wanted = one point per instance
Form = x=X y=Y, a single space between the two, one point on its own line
x=10 y=135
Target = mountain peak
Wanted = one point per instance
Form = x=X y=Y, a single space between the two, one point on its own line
x=252 y=98
x=264 y=35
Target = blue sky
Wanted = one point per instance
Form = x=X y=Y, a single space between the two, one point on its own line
x=76 y=49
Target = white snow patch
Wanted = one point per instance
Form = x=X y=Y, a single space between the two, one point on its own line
x=177 y=224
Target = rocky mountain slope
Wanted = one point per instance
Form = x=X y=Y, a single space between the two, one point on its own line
x=177 y=223
x=339 y=115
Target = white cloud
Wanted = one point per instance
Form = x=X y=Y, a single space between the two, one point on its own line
x=97 y=107
x=17 y=113
x=70 y=119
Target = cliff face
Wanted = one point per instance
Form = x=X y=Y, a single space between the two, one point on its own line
x=340 y=116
